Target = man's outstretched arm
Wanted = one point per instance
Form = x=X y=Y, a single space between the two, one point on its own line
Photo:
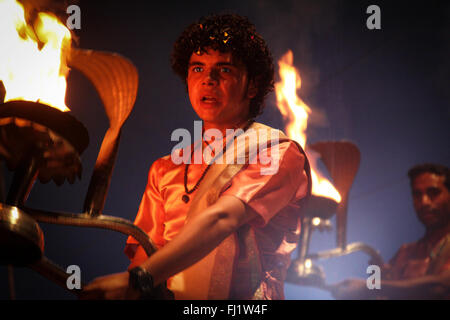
x=424 y=287
x=197 y=238
x=429 y=286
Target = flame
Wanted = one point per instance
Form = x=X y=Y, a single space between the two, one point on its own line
x=33 y=61
x=296 y=112
x=315 y=221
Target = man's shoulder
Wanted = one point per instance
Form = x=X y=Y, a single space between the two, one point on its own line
x=268 y=136
x=405 y=251
x=162 y=165
x=263 y=128
x=410 y=246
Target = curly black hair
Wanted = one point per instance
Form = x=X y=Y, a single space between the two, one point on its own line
x=228 y=33
x=437 y=169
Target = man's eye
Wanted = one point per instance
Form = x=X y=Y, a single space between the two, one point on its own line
x=225 y=70
x=197 y=69
x=433 y=192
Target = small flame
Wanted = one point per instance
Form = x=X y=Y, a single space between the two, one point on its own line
x=296 y=112
x=14 y=215
x=308 y=264
x=315 y=221
x=33 y=60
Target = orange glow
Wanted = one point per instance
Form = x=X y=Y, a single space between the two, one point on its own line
x=296 y=113
x=28 y=72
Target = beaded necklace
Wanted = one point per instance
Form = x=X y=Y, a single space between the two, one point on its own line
x=185 y=196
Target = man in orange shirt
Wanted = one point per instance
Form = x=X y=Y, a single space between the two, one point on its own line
x=419 y=270
x=223 y=230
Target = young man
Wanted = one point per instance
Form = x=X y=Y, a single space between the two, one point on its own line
x=419 y=270
x=223 y=230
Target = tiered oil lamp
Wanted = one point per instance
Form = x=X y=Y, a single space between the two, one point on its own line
x=41 y=142
x=341 y=158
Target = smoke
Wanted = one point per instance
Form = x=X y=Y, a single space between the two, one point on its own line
x=301 y=26
x=443 y=70
x=297 y=25
x=56 y=7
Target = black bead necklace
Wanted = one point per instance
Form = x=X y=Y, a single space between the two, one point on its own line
x=185 y=196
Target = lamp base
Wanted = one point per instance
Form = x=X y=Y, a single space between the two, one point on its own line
x=21 y=238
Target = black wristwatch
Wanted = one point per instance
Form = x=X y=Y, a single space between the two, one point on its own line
x=142 y=281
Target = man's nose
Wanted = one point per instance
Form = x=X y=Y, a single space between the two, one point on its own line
x=211 y=77
x=425 y=200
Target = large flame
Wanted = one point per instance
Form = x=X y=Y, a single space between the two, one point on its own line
x=296 y=112
x=33 y=60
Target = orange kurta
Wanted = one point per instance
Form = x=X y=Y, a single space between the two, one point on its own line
x=162 y=213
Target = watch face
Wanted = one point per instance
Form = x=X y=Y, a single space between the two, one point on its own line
x=141 y=280
x=146 y=281
x=133 y=278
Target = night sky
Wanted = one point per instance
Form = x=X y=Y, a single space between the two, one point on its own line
x=385 y=90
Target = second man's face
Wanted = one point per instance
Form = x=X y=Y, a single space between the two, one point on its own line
x=431 y=200
x=218 y=88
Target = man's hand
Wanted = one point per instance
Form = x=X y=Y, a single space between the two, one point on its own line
x=351 y=289
x=110 y=287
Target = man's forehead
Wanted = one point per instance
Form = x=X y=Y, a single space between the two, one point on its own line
x=427 y=180
x=214 y=55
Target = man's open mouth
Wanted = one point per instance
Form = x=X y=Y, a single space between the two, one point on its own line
x=208 y=99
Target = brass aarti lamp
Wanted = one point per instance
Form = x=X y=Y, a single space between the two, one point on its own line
x=40 y=142
x=341 y=158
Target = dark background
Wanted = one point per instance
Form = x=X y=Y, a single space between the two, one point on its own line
x=385 y=90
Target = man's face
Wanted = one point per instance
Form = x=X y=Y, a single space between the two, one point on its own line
x=431 y=200
x=218 y=88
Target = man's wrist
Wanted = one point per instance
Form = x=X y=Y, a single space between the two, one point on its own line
x=141 y=281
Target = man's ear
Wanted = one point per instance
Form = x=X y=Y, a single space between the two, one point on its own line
x=252 y=90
